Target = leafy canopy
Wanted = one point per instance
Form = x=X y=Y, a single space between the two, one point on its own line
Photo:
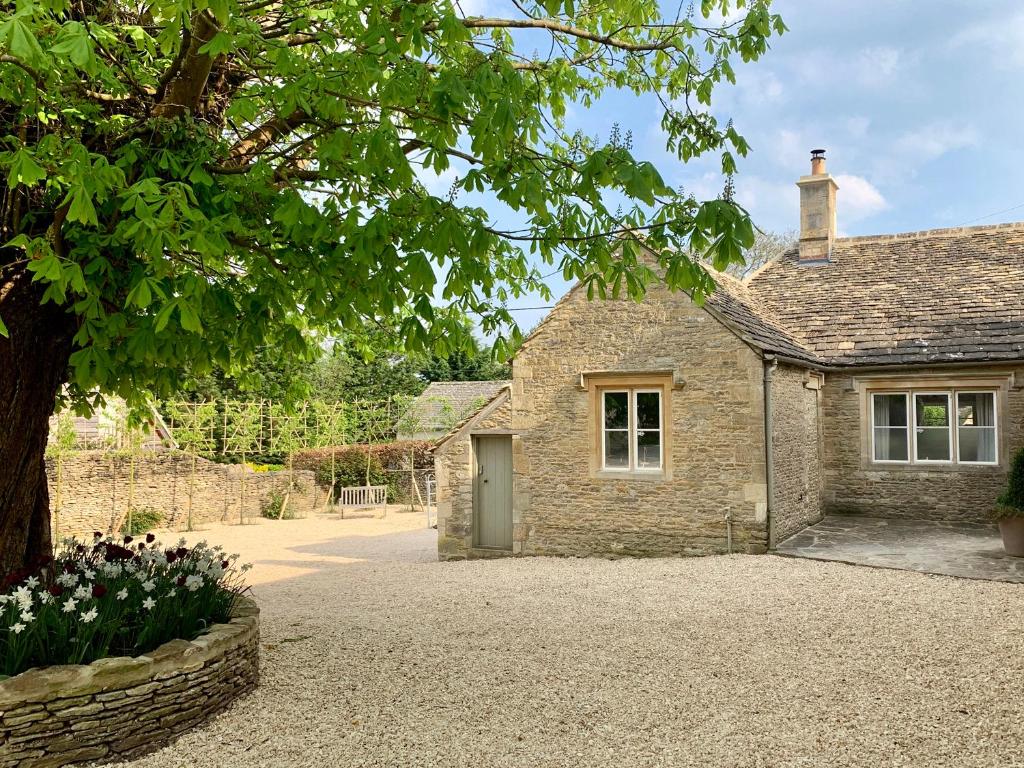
x=199 y=180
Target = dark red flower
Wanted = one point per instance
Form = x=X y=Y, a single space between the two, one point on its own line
x=142 y=546
x=98 y=590
x=56 y=590
x=224 y=564
x=116 y=552
x=181 y=581
x=150 y=538
x=182 y=552
x=97 y=535
x=80 y=548
x=171 y=557
x=69 y=567
x=128 y=539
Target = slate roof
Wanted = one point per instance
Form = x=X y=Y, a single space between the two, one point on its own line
x=443 y=403
x=939 y=296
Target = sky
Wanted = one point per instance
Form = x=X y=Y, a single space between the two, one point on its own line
x=919 y=105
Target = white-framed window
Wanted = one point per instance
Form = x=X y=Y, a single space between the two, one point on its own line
x=934 y=427
x=631 y=430
x=977 y=434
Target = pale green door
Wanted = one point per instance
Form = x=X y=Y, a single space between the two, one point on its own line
x=492 y=492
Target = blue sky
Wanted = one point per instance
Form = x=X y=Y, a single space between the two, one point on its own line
x=919 y=105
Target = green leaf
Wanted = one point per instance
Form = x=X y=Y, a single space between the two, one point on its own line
x=81 y=209
x=3 y=329
x=24 y=170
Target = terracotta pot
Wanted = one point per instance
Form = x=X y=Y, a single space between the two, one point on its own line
x=1012 y=530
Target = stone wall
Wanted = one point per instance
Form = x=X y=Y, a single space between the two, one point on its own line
x=796 y=451
x=716 y=465
x=119 y=708
x=854 y=485
x=95 y=490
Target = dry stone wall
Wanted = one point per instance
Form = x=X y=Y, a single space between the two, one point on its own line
x=796 y=451
x=119 y=708
x=96 y=490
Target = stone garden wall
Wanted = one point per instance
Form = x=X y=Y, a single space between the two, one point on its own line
x=120 y=708
x=95 y=490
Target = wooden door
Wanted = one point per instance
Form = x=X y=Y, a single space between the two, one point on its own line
x=492 y=492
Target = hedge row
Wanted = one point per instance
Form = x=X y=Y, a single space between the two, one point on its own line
x=389 y=465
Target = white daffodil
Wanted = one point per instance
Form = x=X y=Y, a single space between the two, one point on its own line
x=83 y=593
x=31 y=582
x=18 y=628
x=70 y=605
x=23 y=596
x=67 y=579
x=89 y=575
x=148 y=603
x=148 y=586
x=45 y=598
x=122 y=594
x=27 y=617
x=194 y=582
x=89 y=615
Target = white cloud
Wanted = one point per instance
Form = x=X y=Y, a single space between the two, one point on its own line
x=1002 y=36
x=437 y=184
x=878 y=65
x=857 y=198
x=934 y=140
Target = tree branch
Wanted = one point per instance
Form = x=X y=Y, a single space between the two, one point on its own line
x=557 y=26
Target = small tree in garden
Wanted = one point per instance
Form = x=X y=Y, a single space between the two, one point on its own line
x=243 y=436
x=192 y=426
x=287 y=435
x=189 y=182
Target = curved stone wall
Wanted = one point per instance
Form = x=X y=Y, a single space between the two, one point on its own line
x=122 y=707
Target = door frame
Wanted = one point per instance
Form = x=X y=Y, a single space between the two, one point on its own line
x=507 y=438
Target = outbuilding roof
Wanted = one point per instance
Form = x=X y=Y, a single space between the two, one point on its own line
x=939 y=296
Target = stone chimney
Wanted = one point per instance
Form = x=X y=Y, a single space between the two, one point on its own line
x=817 y=210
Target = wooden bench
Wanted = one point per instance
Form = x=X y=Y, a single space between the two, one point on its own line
x=362 y=497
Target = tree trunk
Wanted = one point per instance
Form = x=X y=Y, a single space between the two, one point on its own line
x=33 y=367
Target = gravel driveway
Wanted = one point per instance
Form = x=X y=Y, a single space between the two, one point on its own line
x=376 y=655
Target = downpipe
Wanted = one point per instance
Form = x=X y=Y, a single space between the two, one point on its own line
x=728 y=532
x=769 y=454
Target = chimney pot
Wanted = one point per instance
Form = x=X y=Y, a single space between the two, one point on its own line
x=817 y=162
x=817 y=211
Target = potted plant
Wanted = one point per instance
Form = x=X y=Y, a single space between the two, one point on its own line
x=1010 y=508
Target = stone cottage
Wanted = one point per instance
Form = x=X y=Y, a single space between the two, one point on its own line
x=867 y=374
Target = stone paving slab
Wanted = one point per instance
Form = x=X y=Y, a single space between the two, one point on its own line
x=966 y=550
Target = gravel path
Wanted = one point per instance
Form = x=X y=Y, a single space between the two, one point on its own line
x=376 y=655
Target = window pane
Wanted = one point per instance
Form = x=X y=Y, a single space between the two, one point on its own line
x=648 y=410
x=616 y=449
x=616 y=410
x=648 y=449
x=890 y=410
x=932 y=410
x=891 y=444
x=978 y=444
x=976 y=409
x=933 y=444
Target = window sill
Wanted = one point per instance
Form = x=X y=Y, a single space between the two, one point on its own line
x=610 y=474
x=937 y=466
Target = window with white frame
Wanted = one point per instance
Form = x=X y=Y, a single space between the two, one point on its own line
x=934 y=427
x=631 y=430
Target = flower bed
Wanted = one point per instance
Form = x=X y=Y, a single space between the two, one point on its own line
x=118 y=647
